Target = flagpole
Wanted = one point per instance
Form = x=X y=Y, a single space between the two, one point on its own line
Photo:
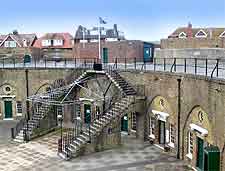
x=99 y=42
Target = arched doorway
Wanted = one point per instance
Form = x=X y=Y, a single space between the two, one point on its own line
x=161 y=123
x=198 y=141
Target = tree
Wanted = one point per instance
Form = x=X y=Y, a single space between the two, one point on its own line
x=15 y=32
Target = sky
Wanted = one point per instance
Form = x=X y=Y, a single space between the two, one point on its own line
x=148 y=20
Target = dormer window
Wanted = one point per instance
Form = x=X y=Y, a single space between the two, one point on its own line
x=24 y=43
x=46 y=42
x=57 y=42
x=201 y=34
x=182 y=35
x=222 y=35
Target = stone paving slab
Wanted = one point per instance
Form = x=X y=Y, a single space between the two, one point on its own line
x=41 y=155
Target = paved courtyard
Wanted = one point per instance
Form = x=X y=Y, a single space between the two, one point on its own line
x=41 y=155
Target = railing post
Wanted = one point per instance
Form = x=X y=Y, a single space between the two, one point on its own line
x=206 y=67
x=3 y=62
x=116 y=62
x=185 y=65
x=175 y=64
x=154 y=63
x=45 y=62
x=14 y=62
x=195 y=65
x=164 y=64
x=75 y=62
x=35 y=63
x=55 y=63
x=135 y=67
x=125 y=63
x=217 y=69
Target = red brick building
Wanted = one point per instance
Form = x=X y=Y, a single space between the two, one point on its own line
x=113 y=45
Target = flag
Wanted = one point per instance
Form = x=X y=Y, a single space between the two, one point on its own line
x=102 y=21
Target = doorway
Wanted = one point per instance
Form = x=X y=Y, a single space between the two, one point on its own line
x=87 y=113
x=162 y=132
x=200 y=153
x=8 y=109
x=105 y=55
x=124 y=123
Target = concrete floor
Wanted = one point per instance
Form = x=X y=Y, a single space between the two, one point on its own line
x=5 y=130
x=41 y=155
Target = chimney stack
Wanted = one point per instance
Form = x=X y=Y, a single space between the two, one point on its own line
x=189 y=30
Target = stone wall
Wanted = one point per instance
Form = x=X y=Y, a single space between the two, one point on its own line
x=203 y=53
x=176 y=43
x=196 y=91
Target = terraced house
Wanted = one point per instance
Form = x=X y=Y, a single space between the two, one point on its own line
x=17 y=45
x=189 y=37
x=55 y=45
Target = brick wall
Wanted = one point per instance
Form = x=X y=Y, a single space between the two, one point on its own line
x=120 y=49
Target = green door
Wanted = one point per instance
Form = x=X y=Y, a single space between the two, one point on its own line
x=162 y=132
x=27 y=59
x=200 y=153
x=105 y=55
x=124 y=123
x=8 y=109
x=87 y=113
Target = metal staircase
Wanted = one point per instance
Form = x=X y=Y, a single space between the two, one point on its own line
x=71 y=148
x=45 y=101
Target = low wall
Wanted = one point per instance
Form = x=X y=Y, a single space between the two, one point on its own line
x=191 y=53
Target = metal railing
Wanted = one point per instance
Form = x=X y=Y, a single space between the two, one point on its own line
x=197 y=66
x=19 y=126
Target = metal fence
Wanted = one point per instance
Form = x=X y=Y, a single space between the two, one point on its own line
x=197 y=66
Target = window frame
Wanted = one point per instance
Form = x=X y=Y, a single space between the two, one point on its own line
x=19 y=110
x=190 y=148
x=134 y=121
x=152 y=124
x=182 y=37
x=197 y=36
x=172 y=138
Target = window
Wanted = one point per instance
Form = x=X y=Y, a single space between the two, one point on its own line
x=46 y=42
x=190 y=144
x=182 y=35
x=10 y=44
x=152 y=127
x=97 y=112
x=57 y=42
x=201 y=34
x=60 y=110
x=134 y=121
x=172 y=135
x=19 y=107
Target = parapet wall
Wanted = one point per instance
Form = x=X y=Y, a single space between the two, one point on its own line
x=212 y=53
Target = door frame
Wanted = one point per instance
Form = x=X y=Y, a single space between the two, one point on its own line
x=86 y=104
x=123 y=123
x=164 y=125
x=104 y=49
x=197 y=154
x=4 y=101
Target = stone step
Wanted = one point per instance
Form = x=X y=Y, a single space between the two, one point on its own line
x=18 y=140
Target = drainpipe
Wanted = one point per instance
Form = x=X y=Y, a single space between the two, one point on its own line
x=178 y=118
x=27 y=94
